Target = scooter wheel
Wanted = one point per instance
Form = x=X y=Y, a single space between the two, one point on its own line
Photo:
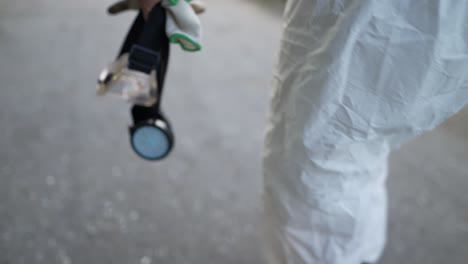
x=151 y=142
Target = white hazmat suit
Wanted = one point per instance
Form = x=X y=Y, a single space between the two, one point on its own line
x=355 y=79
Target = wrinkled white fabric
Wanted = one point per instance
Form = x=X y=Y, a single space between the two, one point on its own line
x=355 y=79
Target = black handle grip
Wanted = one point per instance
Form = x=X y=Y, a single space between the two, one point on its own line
x=154 y=30
x=150 y=36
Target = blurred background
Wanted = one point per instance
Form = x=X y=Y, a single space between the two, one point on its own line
x=72 y=190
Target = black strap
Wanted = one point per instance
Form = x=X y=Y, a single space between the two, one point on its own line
x=148 y=46
x=154 y=31
x=133 y=34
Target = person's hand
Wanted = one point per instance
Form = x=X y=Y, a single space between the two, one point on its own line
x=147 y=5
x=183 y=26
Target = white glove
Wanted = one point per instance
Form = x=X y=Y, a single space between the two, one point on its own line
x=183 y=26
x=198 y=6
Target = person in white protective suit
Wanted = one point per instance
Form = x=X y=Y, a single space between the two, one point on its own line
x=355 y=79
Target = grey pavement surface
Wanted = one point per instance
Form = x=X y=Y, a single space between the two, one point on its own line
x=72 y=191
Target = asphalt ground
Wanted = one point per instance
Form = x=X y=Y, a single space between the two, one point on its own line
x=72 y=191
